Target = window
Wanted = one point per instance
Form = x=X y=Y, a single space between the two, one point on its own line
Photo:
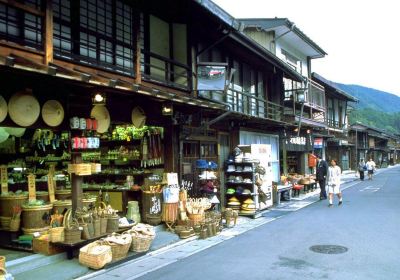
x=102 y=36
x=20 y=26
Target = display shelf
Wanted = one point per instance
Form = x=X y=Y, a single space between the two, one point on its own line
x=239 y=183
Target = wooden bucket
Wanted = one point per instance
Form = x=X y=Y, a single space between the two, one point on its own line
x=8 y=202
x=42 y=195
x=61 y=206
x=63 y=194
x=36 y=216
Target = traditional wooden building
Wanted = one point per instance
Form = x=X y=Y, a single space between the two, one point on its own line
x=304 y=101
x=335 y=140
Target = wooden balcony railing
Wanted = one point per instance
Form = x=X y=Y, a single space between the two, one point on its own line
x=252 y=105
x=166 y=71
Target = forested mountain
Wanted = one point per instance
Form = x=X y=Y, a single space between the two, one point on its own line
x=372 y=98
x=375 y=108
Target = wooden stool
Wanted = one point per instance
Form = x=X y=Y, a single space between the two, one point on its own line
x=170 y=214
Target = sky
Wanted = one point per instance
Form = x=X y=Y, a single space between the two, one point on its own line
x=361 y=37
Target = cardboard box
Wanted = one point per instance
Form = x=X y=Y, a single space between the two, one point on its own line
x=45 y=247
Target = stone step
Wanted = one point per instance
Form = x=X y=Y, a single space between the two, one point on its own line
x=32 y=262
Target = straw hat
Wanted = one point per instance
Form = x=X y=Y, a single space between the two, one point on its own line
x=138 y=117
x=3 y=108
x=3 y=135
x=24 y=109
x=52 y=113
x=15 y=131
x=101 y=114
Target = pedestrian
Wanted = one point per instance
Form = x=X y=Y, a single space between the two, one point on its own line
x=334 y=174
x=371 y=166
x=361 y=168
x=321 y=173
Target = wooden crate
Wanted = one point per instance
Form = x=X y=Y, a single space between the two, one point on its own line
x=45 y=247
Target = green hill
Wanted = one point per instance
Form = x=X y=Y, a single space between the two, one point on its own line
x=375 y=107
x=372 y=98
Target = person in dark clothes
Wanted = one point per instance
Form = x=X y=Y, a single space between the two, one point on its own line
x=322 y=171
x=361 y=169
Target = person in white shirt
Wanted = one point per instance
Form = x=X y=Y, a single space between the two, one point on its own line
x=334 y=174
x=371 y=166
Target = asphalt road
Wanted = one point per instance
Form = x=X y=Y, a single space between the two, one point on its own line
x=367 y=225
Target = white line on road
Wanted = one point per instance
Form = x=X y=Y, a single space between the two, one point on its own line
x=371 y=189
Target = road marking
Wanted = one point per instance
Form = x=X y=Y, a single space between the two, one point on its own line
x=371 y=189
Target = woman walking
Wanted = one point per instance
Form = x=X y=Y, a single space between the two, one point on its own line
x=334 y=174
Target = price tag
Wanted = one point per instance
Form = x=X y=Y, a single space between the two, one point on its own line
x=4 y=178
x=50 y=186
x=31 y=187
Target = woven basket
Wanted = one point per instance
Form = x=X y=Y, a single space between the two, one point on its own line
x=95 y=255
x=141 y=242
x=120 y=249
x=97 y=227
x=5 y=222
x=112 y=224
x=2 y=262
x=196 y=218
x=72 y=235
x=103 y=225
x=15 y=224
x=153 y=219
x=56 y=234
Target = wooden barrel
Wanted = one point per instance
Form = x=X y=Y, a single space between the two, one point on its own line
x=36 y=217
x=7 y=203
x=61 y=206
x=42 y=195
x=63 y=194
x=151 y=205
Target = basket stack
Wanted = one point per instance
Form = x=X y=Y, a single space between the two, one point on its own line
x=142 y=237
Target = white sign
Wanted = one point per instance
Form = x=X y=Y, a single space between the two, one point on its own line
x=298 y=140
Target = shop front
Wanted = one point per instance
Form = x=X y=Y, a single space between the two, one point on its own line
x=339 y=149
x=297 y=148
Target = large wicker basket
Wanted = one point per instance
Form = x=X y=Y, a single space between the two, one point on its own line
x=95 y=255
x=7 y=202
x=140 y=242
x=120 y=244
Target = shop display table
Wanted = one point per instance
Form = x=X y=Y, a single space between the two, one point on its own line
x=280 y=189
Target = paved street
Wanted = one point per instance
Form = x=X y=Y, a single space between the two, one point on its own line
x=366 y=225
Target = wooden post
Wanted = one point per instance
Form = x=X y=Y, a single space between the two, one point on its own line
x=48 y=57
x=76 y=183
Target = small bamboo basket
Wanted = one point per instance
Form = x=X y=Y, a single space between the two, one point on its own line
x=56 y=234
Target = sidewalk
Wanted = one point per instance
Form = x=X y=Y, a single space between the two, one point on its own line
x=167 y=247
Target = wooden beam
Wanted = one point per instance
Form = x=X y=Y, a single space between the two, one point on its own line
x=22 y=61
x=48 y=49
x=26 y=8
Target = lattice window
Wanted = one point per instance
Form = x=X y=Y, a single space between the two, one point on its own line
x=104 y=33
x=21 y=26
